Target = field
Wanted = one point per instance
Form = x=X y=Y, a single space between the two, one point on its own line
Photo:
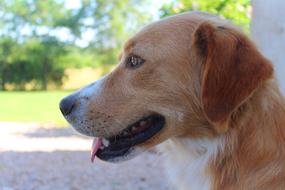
x=42 y=106
x=35 y=107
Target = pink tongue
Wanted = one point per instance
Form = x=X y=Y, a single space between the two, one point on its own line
x=97 y=142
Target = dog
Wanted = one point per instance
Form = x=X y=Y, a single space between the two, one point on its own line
x=197 y=86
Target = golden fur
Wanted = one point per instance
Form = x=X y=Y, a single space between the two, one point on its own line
x=210 y=82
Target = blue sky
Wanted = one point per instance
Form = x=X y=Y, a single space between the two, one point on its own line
x=64 y=34
x=89 y=34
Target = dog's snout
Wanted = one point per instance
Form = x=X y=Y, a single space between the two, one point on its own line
x=67 y=105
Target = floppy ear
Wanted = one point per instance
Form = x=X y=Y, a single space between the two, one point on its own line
x=233 y=68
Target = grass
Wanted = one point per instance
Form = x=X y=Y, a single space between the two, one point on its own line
x=42 y=106
x=38 y=107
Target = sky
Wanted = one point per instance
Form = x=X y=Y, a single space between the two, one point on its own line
x=64 y=34
x=89 y=34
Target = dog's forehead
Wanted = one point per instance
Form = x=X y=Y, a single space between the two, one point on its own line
x=171 y=29
x=154 y=37
x=170 y=36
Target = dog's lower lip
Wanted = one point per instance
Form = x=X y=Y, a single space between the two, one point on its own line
x=122 y=144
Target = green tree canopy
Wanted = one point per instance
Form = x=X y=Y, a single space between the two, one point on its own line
x=39 y=39
x=237 y=11
x=50 y=36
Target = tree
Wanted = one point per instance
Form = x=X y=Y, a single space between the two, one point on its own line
x=43 y=56
x=48 y=33
x=236 y=10
x=32 y=24
x=112 y=22
x=7 y=48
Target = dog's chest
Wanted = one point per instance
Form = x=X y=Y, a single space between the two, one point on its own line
x=187 y=162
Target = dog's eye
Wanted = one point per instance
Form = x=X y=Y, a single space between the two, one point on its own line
x=134 y=61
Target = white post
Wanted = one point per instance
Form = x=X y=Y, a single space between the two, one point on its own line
x=268 y=31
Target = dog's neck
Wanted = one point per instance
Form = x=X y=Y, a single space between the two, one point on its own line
x=187 y=161
x=251 y=150
x=254 y=150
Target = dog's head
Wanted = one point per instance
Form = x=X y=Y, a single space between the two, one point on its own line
x=181 y=76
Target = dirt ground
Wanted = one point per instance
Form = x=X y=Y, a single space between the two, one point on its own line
x=34 y=157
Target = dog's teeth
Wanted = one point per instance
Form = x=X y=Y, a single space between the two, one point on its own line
x=105 y=142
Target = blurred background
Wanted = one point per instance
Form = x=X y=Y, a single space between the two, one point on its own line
x=49 y=48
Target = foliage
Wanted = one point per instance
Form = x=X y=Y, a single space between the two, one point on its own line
x=39 y=40
x=50 y=37
x=29 y=23
x=7 y=47
x=236 y=10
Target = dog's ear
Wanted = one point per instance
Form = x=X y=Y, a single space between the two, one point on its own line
x=232 y=69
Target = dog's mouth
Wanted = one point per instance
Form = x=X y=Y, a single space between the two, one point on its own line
x=120 y=145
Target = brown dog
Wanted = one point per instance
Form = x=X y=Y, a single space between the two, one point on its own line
x=200 y=85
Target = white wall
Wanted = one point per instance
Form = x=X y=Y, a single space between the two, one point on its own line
x=268 y=31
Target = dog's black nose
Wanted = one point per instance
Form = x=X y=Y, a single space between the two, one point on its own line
x=67 y=104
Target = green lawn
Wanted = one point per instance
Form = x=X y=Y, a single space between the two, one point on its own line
x=40 y=107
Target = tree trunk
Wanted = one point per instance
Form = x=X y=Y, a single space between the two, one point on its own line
x=44 y=74
x=268 y=31
x=2 y=77
x=2 y=84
